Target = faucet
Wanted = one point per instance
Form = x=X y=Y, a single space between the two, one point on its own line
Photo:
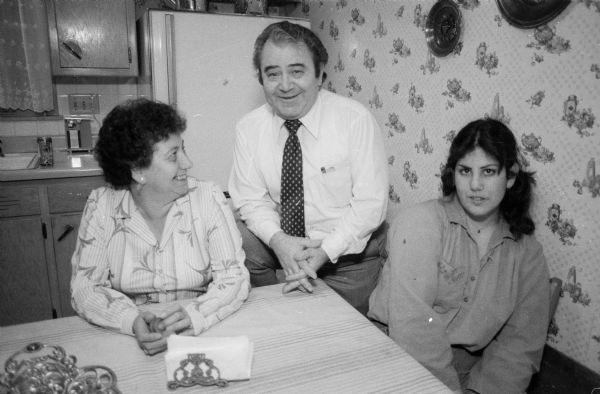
x=1 y=153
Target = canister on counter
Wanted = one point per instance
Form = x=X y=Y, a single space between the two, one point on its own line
x=79 y=134
x=45 y=151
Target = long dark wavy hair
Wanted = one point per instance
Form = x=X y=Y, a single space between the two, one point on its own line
x=294 y=33
x=499 y=142
x=128 y=134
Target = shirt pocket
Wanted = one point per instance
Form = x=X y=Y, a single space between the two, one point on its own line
x=451 y=284
x=334 y=183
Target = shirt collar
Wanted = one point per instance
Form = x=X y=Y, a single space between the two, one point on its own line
x=309 y=121
x=127 y=206
x=456 y=214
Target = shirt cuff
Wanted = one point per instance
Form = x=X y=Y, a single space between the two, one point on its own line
x=266 y=231
x=334 y=246
x=127 y=321
x=199 y=323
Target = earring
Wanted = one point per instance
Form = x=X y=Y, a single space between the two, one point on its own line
x=140 y=184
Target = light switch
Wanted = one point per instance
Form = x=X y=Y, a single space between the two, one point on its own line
x=80 y=104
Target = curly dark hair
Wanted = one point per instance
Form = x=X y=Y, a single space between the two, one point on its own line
x=128 y=134
x=292 y=33
x=499 y=142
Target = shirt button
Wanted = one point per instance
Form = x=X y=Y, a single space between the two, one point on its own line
x=466 y=299
x=473 y=277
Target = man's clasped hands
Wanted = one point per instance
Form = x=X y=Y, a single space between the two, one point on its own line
x=300 y=259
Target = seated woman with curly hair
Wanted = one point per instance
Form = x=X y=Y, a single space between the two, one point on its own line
x=155 y=234
x=465 y=289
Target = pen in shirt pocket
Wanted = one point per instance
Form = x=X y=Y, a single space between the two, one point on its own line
x=326 y=170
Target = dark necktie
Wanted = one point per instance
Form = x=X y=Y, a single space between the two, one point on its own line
x=292 y=187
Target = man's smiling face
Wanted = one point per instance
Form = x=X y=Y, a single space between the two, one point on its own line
x=289 y=81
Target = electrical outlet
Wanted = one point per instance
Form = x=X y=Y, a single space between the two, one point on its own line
x=83 y=104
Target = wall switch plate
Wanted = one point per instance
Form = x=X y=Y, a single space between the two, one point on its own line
x=80 y=104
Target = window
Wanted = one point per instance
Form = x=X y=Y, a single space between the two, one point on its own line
x=25 y=76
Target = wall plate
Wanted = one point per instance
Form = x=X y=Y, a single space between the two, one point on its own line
x=80 y=104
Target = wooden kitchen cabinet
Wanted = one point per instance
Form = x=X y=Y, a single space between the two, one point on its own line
x=93 y=38
x=25 y=291
x=39 y=221
x=66 y=201
x=65 y=229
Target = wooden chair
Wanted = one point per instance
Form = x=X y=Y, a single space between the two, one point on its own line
x=555 y=293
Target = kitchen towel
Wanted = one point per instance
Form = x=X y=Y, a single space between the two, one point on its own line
x=231 y=355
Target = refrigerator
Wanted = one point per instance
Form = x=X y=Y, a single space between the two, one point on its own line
x=202 y=64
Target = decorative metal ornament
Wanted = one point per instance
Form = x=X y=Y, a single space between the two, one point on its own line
x=443 y=27
x=196 y=369
x=47 y=369
x=527 y=14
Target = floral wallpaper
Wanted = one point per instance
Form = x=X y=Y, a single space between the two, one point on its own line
x=543 y=82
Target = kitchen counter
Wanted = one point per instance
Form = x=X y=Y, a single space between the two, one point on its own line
x=65 y=166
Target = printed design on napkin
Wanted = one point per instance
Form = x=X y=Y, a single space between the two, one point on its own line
x=196 y=369
x=232 y=356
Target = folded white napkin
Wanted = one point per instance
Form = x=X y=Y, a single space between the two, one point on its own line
x=231 y=355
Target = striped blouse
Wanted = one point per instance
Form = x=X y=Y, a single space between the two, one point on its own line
x=118 y=264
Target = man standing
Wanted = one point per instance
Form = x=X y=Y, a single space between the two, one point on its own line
x=309 y=175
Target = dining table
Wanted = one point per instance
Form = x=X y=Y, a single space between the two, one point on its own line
x=303 y=343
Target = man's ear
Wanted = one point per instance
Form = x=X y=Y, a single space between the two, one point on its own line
x=512 y=175
x=322 y=75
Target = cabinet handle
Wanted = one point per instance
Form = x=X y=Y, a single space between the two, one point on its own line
x=73 y=48
x=68 y=229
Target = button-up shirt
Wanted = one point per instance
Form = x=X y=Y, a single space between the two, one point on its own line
x=435 y=292
x=343 y=166
x=119 y=264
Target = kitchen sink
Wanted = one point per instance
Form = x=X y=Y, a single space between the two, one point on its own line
x=19 y=161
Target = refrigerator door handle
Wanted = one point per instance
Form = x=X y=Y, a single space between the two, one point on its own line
x=170 y=53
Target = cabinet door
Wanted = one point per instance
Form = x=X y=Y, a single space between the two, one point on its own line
x=66 y=200
x=65 y=229
x=25 y=292
x=90 y=37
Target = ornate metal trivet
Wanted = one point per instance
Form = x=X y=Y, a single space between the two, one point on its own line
x=196 y=369
x=47 y=369
x=443 y=27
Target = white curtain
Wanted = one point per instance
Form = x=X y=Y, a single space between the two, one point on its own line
x=25 y=71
